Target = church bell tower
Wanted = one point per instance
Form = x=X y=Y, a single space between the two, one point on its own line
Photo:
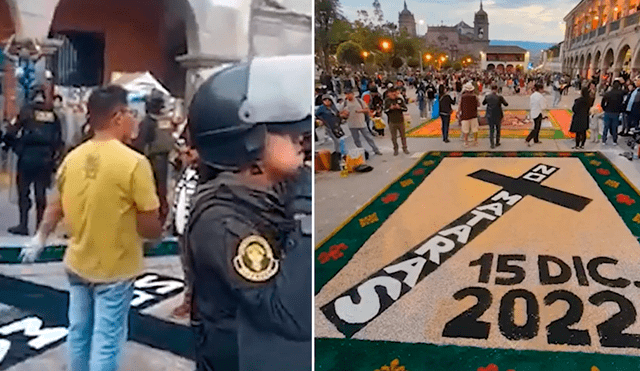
x=481 y=24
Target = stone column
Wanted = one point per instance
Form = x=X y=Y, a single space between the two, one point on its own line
x=612 y=4
x=196 y=66
x=625 y=9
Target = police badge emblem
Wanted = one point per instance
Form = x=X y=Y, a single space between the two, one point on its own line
x=255 y=261
x=44 y=116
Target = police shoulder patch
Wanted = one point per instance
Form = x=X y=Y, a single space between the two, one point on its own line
x=254 y=260
x=44 y=116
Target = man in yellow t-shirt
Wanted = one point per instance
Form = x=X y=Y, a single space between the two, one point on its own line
x=106 y=195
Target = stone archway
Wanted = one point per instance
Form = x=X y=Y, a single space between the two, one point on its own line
x=491 y=67
x=635 y=63
x=607 y=62
x=597 y=61
x=588 y=67
x=125 y=36
x=510 y=68
x=8 y=19
x=581 y=66
x=9 y=25
x=623 y=59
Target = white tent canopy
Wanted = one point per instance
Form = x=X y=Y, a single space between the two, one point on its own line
x=139 y=82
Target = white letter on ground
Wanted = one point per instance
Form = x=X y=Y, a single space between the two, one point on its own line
x=369 y=304
x=504 y=196
x=462 y=231
x=479 y=215
x=495 y=207
x=413 y=267
x=436 y=245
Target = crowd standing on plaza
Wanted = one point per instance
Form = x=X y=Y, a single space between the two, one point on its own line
x=436 y=94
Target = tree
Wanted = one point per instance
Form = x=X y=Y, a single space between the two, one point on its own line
x=382 y=60
x=350 y=53
x=377 y=12
x=326 y=14
x=396 y=62
x=413 y=62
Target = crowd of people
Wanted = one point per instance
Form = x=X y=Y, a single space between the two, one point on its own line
x=383 y=98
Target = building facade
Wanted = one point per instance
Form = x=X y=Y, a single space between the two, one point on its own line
x=504 y=58
x=88 y=43
x=406 y=21
x=601 y=37
x=461 y=39
x=551 y=59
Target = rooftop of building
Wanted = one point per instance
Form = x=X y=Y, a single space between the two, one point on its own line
x=481 y=11
x=505 y=49
x=406 y=11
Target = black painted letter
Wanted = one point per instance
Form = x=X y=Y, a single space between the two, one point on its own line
x=506 y=316
x=545 y=276
x=593 y=272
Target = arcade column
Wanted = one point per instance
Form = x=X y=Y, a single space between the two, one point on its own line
x=616 y=71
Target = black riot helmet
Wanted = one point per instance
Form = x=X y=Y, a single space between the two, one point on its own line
x=154 y=102
x=237 y=105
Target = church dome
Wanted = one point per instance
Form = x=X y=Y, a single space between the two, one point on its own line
x=481 y=12
x=405 y=11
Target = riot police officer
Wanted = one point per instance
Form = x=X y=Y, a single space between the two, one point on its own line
x=155 y=140
x=251 y=275
x=37 y=140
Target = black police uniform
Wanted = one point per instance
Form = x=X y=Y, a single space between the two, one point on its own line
x=156 y=143
x=256 y=279
x=38 y=146
x=299 y=206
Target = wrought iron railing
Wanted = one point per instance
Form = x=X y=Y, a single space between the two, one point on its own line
x=602 y=30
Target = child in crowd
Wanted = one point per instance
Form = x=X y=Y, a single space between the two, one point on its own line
x=596 y=117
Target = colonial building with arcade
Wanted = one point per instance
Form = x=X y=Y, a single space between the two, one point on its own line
x=90 y=43
x=602 y=37
x=504 y=58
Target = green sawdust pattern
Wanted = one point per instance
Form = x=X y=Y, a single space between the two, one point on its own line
x=336 y=251
x=9 y=255
x=363 y=355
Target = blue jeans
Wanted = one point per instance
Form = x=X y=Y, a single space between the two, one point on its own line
x=98 y=316
x=611 y=122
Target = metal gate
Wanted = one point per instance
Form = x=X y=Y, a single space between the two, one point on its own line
x=80 y=59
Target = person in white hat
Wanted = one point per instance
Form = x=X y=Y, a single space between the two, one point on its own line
x=468 y=113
